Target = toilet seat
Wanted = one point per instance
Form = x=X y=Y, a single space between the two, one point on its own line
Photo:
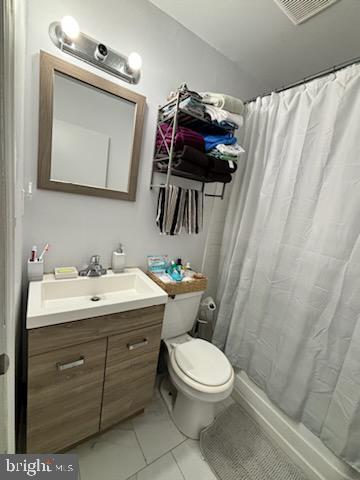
x=203 y=362
x=202 y=366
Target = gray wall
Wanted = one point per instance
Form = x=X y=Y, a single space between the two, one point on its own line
x=77 y=226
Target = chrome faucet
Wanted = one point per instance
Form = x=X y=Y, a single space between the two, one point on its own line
x=94 y=269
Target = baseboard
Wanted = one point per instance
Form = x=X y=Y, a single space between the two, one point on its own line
x=305 y=449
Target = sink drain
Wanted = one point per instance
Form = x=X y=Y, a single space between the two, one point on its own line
x=95 y=298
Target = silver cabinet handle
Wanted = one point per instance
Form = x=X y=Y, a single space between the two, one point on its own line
x=133 y=346
x=66 y=366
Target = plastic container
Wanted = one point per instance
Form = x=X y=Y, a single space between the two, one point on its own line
x=118 y=263
x=35 y=270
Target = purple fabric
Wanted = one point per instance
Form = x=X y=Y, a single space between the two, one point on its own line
x=184 y=136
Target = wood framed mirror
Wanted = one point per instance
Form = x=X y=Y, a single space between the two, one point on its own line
x=90 y=132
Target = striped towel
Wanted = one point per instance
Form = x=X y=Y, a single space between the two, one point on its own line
x=183 y=213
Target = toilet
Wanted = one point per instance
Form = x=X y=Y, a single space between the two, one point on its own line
x=200 y=375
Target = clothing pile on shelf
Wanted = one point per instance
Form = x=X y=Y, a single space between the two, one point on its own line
x=209 y=154
x=224 y=109
x=184 y=136
x=212 y=141
x=190 y=102
x=224 y=157
x=179 y=210
x=219 y=109
x=188 y=160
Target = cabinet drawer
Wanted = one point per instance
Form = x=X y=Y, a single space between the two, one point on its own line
x=46 y=339
x=64 y=396
x=130 y=373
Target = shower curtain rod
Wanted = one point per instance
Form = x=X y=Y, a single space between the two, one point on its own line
x=320 y=74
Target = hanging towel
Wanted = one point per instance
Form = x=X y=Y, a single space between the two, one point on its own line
x=226 y=102
x=170 y=219
x=184 y=212
x=223 y=117
x=184 y=136
x=193 y=213
x=211 y=141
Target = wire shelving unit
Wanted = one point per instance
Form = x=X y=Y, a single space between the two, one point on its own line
x=181 y=117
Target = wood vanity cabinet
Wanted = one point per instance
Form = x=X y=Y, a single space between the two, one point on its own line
x=84 y=376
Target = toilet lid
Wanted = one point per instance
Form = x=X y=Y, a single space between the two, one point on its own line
x=203 y=362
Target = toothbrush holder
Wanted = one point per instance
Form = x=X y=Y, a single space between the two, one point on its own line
x=35 y=270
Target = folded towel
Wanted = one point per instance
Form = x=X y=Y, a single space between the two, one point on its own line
x=225 y=123
x=220 y=166
x=192 y=155
x=189 y=167
x=183 y=166
x=190 y=104
x=189 y=160
x=212 y=140
x=183 y=88
x=234 y=149
x=184 y=136
x=222 y=156
x=220 y=177
x=226 y=102
x=219 y=115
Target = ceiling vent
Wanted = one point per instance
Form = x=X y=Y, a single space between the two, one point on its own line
x=300 y=10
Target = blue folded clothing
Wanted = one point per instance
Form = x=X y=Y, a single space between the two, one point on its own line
x=212 y=140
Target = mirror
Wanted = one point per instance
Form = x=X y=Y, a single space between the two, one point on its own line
x=90 y=132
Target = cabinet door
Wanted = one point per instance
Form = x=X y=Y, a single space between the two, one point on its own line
x=64 y=396
x=130 y=373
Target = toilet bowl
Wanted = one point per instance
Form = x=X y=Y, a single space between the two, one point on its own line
x=202 y=376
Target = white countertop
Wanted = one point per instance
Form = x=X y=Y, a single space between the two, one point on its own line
x=52 y=301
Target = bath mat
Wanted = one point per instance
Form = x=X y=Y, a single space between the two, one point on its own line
x=237 y=449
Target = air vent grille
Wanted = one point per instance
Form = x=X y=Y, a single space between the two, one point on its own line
x=300 y=10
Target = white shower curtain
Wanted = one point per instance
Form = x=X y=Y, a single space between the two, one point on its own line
x=290 y=280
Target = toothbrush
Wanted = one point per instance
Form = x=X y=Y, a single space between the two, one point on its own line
x=46 y=248
x=33 y=254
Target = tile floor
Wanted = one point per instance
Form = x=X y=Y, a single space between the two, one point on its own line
x=148 y=447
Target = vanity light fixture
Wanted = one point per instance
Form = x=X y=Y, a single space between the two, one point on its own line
x=66 y=35
x=70 y=27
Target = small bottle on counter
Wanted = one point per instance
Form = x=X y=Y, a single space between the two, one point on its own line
x=188 y=272
x=118 y=260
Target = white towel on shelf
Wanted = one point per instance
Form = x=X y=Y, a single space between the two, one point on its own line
x=234 y=150
x=220 y=115
x=225 y=102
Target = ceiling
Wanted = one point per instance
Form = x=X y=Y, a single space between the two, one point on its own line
x=259 y=37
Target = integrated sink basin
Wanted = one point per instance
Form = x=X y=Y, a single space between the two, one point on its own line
x=57 y=301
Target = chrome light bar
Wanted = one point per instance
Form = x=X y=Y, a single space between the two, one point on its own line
x=67 y=37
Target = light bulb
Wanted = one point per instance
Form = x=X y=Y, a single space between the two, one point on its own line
x=70 y=27
x=134 y=61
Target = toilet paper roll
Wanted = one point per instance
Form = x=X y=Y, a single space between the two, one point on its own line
x=208 y=304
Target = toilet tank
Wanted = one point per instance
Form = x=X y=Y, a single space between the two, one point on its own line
x=180 y=314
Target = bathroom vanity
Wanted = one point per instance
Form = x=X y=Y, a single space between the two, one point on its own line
x=91 y=364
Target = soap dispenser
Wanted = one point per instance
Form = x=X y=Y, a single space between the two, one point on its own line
x=118 y=260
